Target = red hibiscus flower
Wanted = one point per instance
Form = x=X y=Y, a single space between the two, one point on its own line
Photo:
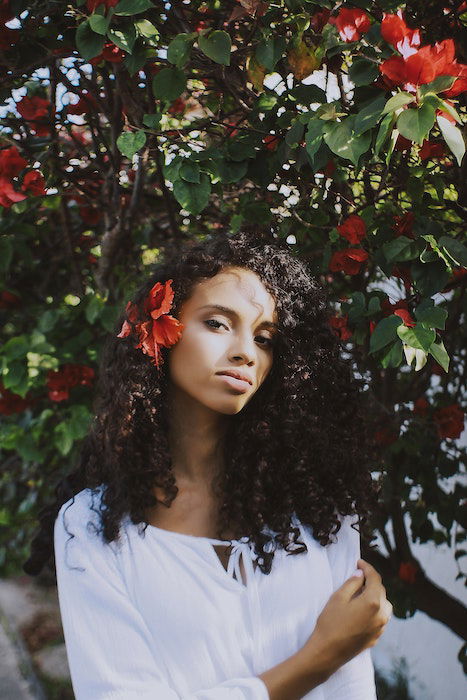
x=319 y=19
x=407 y=572
x=271 y=141
x=8 y=194
x=348 y=260
x=60 y=382
x=110 y=53
x=406 y=317
x=85 y=104
x=395 y=31
x=402 y=144
x=430 y=150
x=338 y=325
x=449 y=421
x=351 y=24
x=34 y=182
x=157 y=327
x=403 y=225
x=353 y=229
x=12 y=403
x=420 y=406
x=36 y=111
x=11 y=163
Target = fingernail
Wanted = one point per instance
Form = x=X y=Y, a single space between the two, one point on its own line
x=358 y=572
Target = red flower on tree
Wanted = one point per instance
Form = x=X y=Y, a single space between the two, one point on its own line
x=319 y=19
x=431 y=149
x=339 y=327
x=449 y=421
x=36 y=111
x=11 y=163
x=351 y=24
x=60 y=382
x=34 y=183
x=12 y=403
x=93 y=4
x=348 y=260
x=271 y=141
x=421 y=406
x=395 y=31
x=110 y=53
x=353 y=229
x=403 y=225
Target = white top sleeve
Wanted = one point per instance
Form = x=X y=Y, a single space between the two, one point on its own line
x=355 y=679
x=107 y=639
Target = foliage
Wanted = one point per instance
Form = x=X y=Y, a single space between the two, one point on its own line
x=131 y=126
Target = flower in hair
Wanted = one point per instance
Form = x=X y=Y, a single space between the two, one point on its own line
x=156 y=328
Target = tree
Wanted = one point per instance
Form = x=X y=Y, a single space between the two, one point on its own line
x=131 y=126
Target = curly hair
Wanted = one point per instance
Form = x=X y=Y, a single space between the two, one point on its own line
x=301 y=444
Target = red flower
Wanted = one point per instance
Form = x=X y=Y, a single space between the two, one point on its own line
x=407 y=572
x=406 y=317
x=421 y=406
x=402 y=144
x=372 y=326
x=60 y=382
x=110 y=53
x=11 y=163
x=9 y=300
x=430 y=150
x=85 y=104
x=348 y=260
x=395 y=31
x=339 y=327
x=90 y=215
x=231 y=130
x=403 y=225
x=449 y=421
x=157 y=327
x=93 y=4
x=34 y=182
x=351 y=24
x=271 y=141
x=423 y=66
x=404 y=274
x=36 y=111
x=177 y=106
x=8 y=195
x=353 y=229
x=12 y=403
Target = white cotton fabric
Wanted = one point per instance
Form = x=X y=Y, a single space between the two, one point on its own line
x=156 y=616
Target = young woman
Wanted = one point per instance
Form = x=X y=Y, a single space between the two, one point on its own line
x=204 y=545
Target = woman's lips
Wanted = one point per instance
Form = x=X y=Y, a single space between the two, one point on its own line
x=239 y=384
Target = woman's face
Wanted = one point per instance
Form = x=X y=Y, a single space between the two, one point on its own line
x=237 y=338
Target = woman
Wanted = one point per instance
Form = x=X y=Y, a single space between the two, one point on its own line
x=196 y=543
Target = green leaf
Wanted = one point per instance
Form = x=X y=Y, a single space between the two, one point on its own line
x=132 y=7
x=417 y=337
x=169 y=84
x=433 y=316
x=190 y=171
x=369 y=115
x=295 y=134
x=152 y=121
x=392 y=357
x=384 y=130
x=455 y=248
x=94 y=307
x=415 y=124
x=16 y=347
x=401 y=249
x=363 y=72
x=123 y=38
x=63 y=438
x=6 y=253
x=230 y=171
x=99 y=24
x=385 y=332
x=191 y=196
x=314 y=137
x=16 y=378
x=269 y=51
x=453 y=137
x=78 y=424
x=439 y=84
x=438 y=103
x=304 y=95
x=342 y=140
x=146 y=28
x=89 y=43
x=130 y=142
x=179 y=49
x=216 y=45
x=397 y=101
x=429 y=278
x=438 y=351
x=135 y=61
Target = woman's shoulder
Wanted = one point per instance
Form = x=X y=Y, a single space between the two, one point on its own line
x=81 y=504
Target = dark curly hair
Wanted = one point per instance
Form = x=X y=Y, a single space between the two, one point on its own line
x=301 y=444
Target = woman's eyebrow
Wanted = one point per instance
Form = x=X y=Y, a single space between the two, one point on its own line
x=232 y=312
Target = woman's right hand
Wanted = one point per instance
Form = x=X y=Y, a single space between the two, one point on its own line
x=353 y=619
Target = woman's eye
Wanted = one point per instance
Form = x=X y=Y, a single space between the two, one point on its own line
x=212 y=323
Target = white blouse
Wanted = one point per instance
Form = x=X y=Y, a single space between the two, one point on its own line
x=156 y=616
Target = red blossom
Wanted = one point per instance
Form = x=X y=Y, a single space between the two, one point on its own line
x=36 y=111
x=403 y=225
x=8 y=194
x=395 y=31
x=110 y=53
x=351 y=24
x=449 y=421
x=372 y=326
x=12 y=403
x=90 y=215
x=399 y=308
x=407 y=572
x=430 y=150
x=403 y=272
x=59 y=382
x=86 y=103
x=406 y=317
x=9 y=300
x=271 y=141
x=177 y=106
x=11 y=163
x=353 y=229
x=319 y=19
x=34 y=183
x=348 y=260
x=231 y=130
x=339 y=327
x=402 y=144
